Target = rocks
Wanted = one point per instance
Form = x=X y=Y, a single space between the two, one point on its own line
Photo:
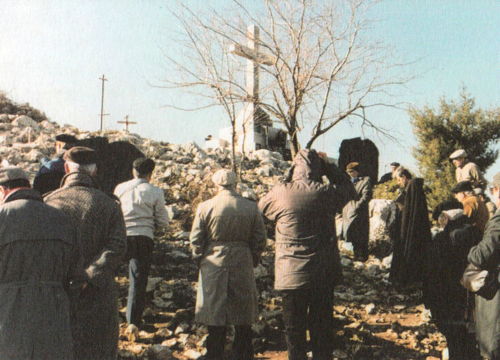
x=192 y=354
x=25 y=121
x=369 y=309
x=159 y=352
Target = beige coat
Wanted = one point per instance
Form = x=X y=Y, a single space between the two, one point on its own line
x=470 y=172
x=227 y=238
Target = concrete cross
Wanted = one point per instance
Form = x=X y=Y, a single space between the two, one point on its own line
x=251 y=52
x=126 y=122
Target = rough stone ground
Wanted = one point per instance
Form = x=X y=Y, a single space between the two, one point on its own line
x=372 y=320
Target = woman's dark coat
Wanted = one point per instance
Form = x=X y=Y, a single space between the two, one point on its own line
x=304 y=211
x=445 y=265
x=101 y=228
x=486 y=255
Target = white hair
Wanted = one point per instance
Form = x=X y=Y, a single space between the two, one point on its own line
x=87 y=168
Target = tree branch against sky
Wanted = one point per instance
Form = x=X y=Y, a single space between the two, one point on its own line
x=326 y=70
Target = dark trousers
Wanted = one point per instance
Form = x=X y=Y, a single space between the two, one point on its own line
x=461 y=344
x=139 y=252
x=308 y=309
x=360 y=247
x=242 y=346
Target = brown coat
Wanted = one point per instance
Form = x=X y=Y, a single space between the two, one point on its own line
x=477 y=211
x=99 y=221
x=304 y=211
x=227 y=238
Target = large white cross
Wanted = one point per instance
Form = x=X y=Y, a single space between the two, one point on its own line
x=251 y=52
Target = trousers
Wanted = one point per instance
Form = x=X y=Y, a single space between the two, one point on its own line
x=140 y=249
x=242 y=346
x=308 y=309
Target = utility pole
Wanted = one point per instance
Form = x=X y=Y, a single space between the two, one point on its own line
x=103 y=79
x=127 y=123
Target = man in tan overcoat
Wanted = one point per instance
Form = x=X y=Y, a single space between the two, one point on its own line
x=227 y=238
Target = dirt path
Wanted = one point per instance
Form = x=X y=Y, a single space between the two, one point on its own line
x=371 y=319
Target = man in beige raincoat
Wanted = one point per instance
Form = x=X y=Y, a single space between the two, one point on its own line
x=227 y=238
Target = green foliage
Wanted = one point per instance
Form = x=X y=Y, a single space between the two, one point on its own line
x=387 y=190
x=454 y=125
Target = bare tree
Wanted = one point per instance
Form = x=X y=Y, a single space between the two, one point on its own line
x=325 y=70
x=206 y=70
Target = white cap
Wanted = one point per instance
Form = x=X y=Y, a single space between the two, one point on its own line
x=458 y=154
x=224 y=177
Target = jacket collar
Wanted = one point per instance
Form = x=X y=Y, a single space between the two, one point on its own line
x=23 y=194
x=227 y=192
x=78 y=179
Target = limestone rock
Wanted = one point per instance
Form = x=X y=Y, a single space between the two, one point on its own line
x=24 y=121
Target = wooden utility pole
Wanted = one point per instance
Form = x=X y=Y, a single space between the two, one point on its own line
x=103 y=79
x=126 y=122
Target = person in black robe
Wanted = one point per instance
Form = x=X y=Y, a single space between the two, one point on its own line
x=388 y=176
x=414 y=233
x=444 y=296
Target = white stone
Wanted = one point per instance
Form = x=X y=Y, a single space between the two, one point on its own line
x=382 y=216
x=192 y=354
x=370 y=308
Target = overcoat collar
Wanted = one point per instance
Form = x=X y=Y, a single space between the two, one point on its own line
x=23 y=194
x=78 y=178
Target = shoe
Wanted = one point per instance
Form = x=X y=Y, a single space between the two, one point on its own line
x=132 y=332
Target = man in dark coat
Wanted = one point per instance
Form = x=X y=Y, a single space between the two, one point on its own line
x=51 y=172
x=443 y=294
x=486 y=256
x=227 y=239
x=388 y=176
x=414 y=235
x=355 y=217
x=99 y=221
x=304 y=211
x=39 y=263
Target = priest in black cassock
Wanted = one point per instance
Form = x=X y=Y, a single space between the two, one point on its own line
x=414 y=235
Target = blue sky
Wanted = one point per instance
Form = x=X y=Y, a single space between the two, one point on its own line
x=53 y=52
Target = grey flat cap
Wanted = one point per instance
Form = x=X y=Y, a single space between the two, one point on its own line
x=224 y=177
x=458 y=154
x=10 y=173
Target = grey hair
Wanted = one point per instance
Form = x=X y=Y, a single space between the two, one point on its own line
x=86 y=168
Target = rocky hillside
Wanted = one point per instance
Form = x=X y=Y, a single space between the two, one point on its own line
x=372 y=320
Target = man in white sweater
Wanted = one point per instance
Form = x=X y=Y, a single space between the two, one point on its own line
x=143 y=207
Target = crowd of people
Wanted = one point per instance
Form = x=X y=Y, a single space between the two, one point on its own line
x=60 y=250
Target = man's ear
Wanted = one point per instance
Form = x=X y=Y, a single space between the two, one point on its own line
x=66 y=168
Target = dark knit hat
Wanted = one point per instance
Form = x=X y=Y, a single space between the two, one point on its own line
x=352 y=166
x=396 y=164
x=144 y=165
x=66 y=138
x=462 y=186
x=81 y=155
